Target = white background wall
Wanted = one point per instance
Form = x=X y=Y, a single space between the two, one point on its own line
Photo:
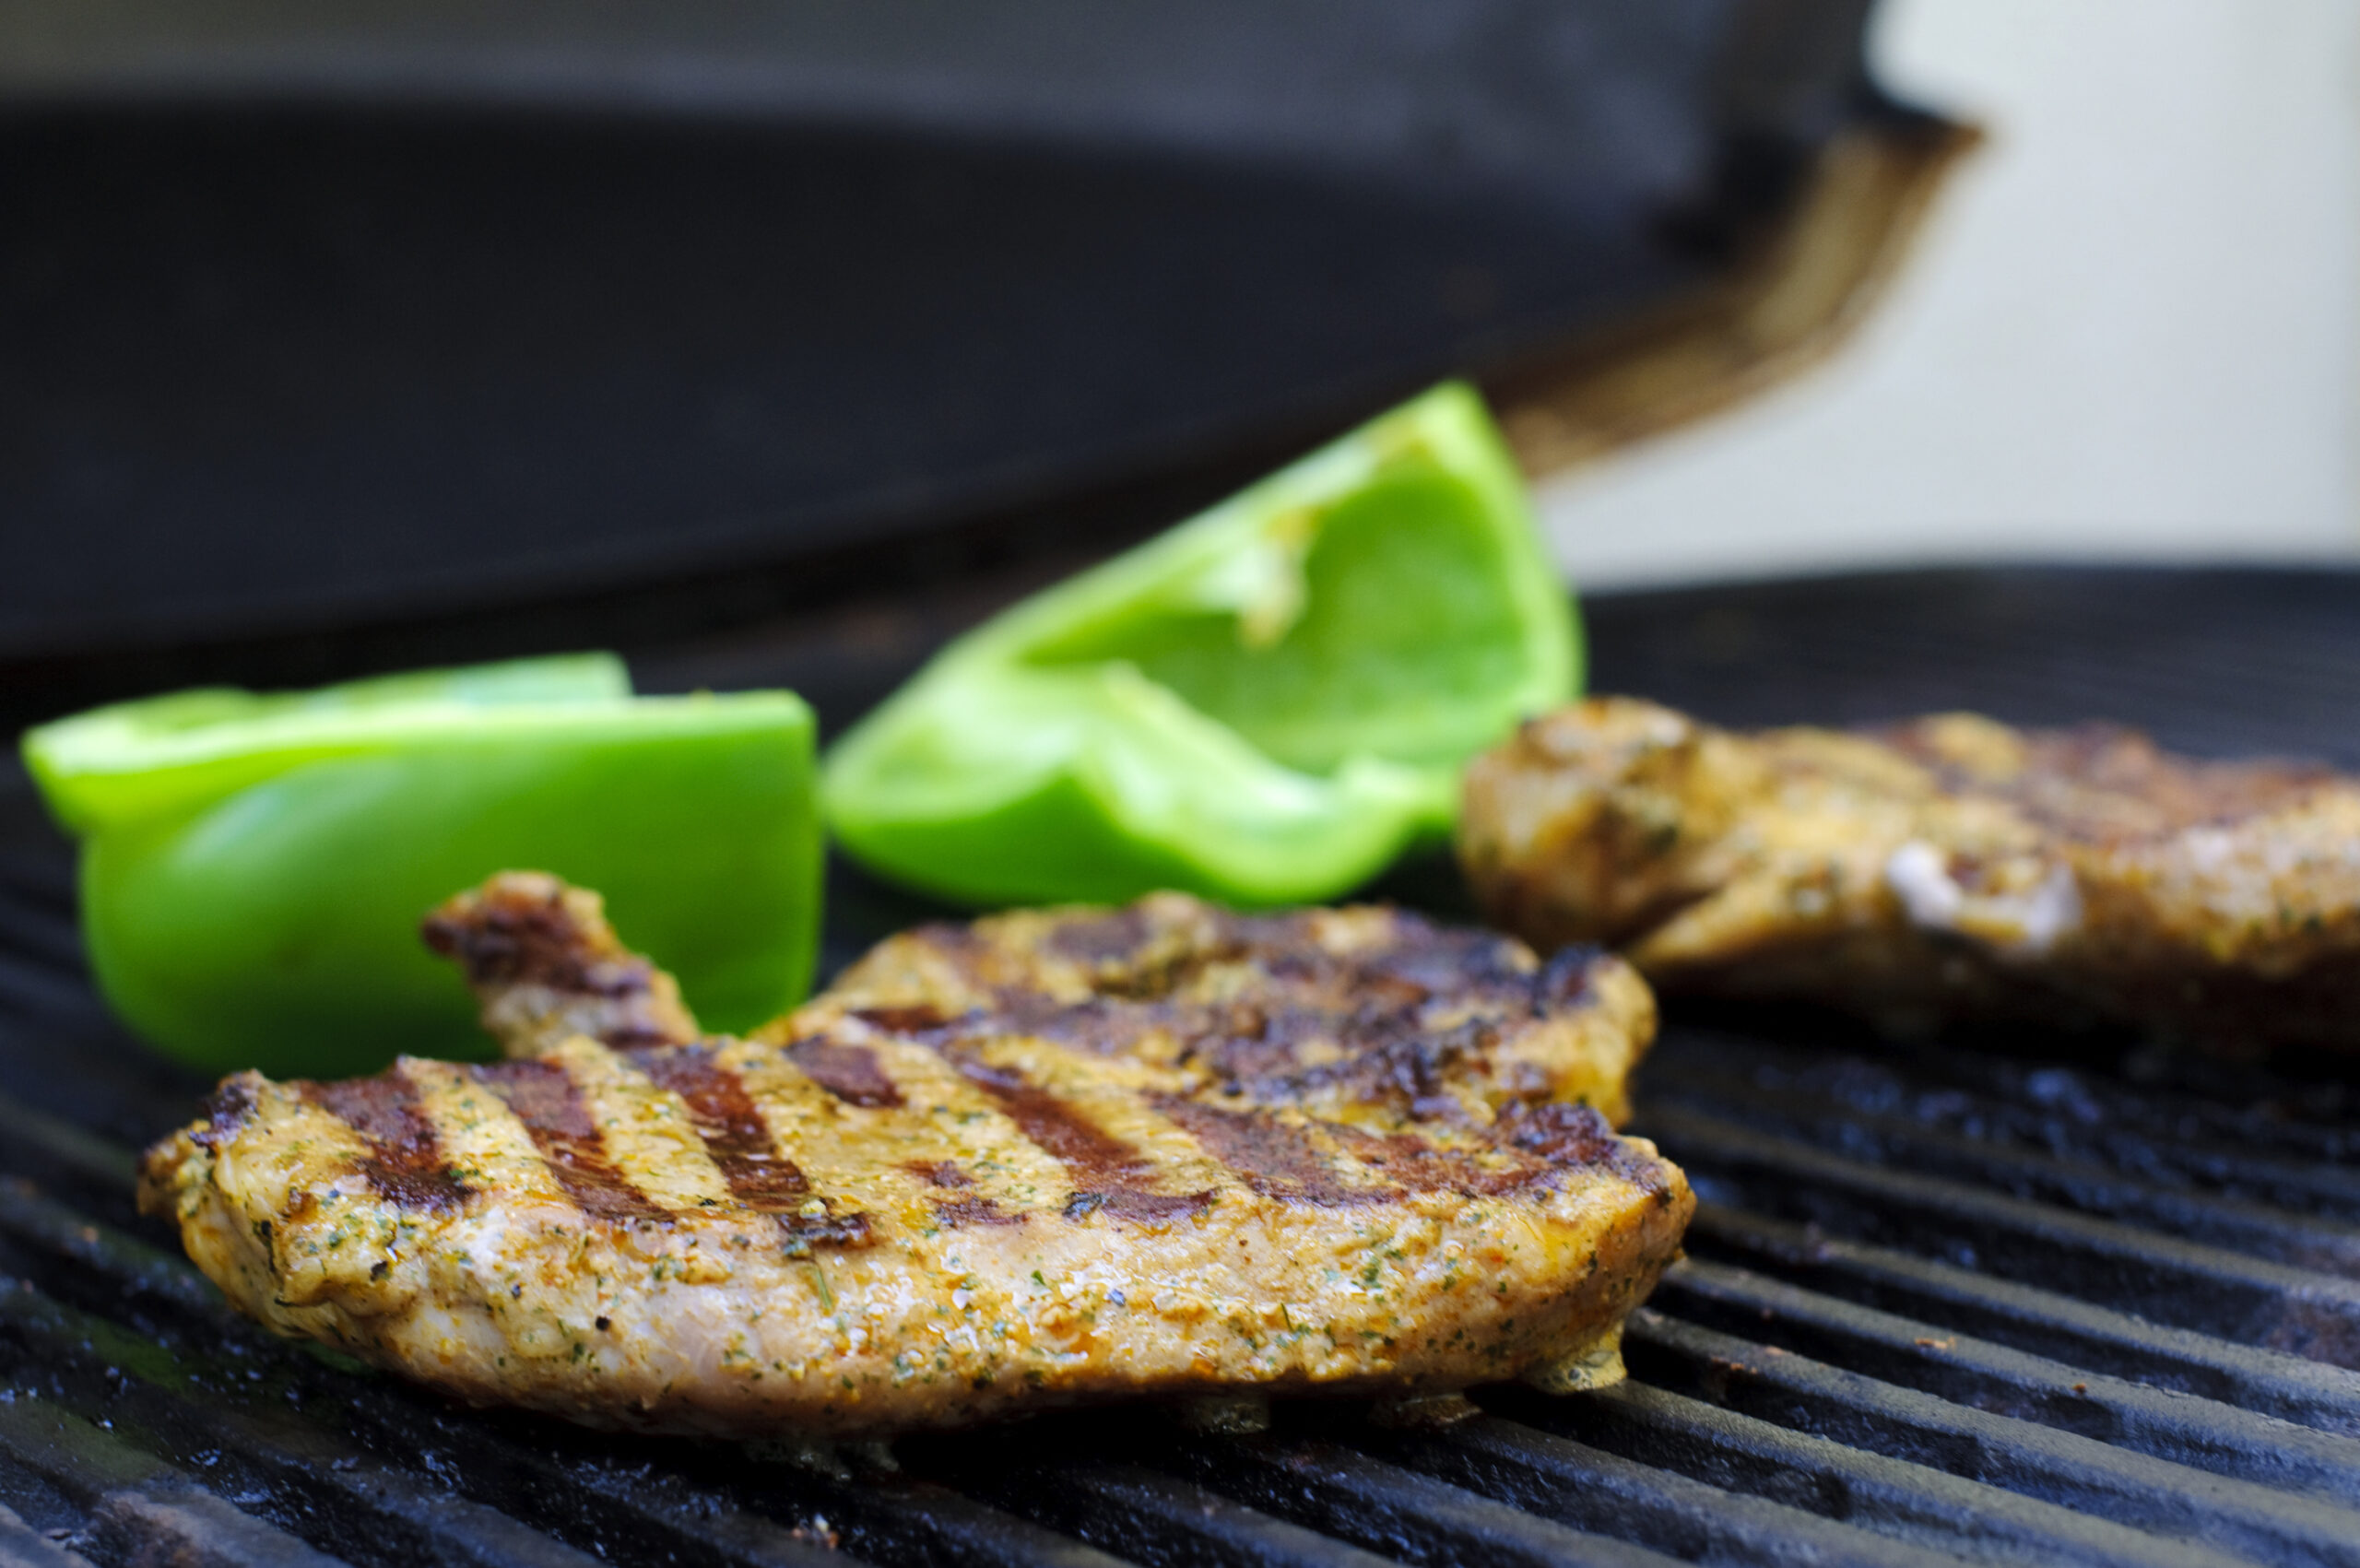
x=2131 y=329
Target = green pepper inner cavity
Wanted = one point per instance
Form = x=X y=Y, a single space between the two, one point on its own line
x=1383 y=626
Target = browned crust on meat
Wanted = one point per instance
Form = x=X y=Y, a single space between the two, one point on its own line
x=2098 y=784
x=1948 y=866
x=541 y=958
x=1369 y=1008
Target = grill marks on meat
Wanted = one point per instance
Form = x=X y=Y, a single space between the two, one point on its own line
x=733 y=1131
x=1276 y=1158
x=1056 y=1127
x=1051 y=1157
x=737 y=1139
x=1297 y=1160
x=848 y=1072
x=548 y=1102
x=1367 y=1009
x=1947 y=867
x=1107 y=1172
x=959 y=1210
x=404 y=1162
x=974 y=1211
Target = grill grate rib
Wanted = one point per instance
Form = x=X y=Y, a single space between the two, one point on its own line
x=1106 y=1503
x=1409 y=1517
x=1985 y=1376
x=2043 y=1323
x=1940 y=1512
x=2207 y=1288
x=2019 y=1301
x=2075 y=1472
x=1691 y=1518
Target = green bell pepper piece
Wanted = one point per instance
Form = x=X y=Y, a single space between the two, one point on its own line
x=255 y=867
x=1266 y=704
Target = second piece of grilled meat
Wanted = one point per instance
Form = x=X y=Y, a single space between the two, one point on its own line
x=1950 y=867
x=1043 y=1159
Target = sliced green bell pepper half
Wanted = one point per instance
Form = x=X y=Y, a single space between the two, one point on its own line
x=1265 y=705
x=255 y=867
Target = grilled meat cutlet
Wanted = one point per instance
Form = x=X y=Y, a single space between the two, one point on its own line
x=1045 y=1159
x=1946 y=867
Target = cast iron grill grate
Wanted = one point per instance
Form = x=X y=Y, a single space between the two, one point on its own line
x=2012 y=1299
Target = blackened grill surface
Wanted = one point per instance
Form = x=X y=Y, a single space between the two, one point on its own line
x=2022 y=1298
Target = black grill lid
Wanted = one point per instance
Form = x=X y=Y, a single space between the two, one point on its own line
x=394 y=308
x=2018 y=1298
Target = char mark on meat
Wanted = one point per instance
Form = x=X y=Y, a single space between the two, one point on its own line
x=548 y=1102
x=849 y=1072
x=731 y=1126
x=406 y=1163
x=544 y=964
